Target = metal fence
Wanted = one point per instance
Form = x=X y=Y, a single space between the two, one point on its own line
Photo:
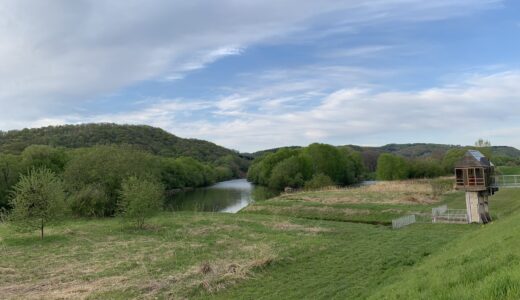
x=403 y=221
x=442 y=214
x=508 y=181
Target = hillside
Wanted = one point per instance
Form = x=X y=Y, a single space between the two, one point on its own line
x=481 y=265
x=154 y=140
x=412 y=150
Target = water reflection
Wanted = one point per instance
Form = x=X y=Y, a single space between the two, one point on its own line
x=227 y=196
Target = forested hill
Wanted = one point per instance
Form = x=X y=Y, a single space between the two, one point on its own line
x=147 y=138
x=435 y=150
x=416 y=150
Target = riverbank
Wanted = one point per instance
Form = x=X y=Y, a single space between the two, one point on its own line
x=228 y=256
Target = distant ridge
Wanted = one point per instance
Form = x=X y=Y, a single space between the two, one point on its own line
x=147 y=138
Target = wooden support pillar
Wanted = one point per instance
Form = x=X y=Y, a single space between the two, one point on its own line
x=477 y=207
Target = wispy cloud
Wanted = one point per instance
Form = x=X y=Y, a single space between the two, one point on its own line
x=457 y=113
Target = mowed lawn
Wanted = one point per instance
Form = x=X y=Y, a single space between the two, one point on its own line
x=226 y=256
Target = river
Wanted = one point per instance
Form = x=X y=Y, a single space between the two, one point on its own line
x=227 y=196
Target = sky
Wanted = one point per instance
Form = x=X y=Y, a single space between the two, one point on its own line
x=258 y=74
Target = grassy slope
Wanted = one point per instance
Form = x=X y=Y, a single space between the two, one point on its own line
x=484 y=264
x=255 y=256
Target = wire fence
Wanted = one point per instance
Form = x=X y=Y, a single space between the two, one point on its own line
x=403 y=221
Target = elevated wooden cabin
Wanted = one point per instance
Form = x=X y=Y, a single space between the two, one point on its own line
x=475 y=173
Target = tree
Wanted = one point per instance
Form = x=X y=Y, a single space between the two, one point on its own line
x=392 y=167
x=454 y=155
x=140 y=199
x=38 y=198
x=42 y=156
x=482 y=143
x=10 y=169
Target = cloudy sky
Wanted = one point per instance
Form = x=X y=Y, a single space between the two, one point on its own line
x=257 y=74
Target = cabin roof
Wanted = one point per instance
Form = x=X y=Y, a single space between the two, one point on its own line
x=473 y=158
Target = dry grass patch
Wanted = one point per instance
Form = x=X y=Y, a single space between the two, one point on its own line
x=288 y=226
x=385 y=192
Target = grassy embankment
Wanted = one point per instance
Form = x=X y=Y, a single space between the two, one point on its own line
x=256 y=255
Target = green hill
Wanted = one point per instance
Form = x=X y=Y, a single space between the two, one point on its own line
x=154 y=140
x=484 y=264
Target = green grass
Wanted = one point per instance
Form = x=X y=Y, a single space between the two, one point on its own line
x=484 y=264
x=509 y=170
x=373 y=205
x=265 y=256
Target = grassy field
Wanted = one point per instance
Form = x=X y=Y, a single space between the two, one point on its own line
x=508 y=170
x=375 y=204
x=251 y=255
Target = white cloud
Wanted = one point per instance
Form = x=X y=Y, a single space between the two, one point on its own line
x=56 y=56
x=459 y=113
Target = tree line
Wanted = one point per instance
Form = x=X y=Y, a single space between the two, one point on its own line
x=395 y=167
x=314 y=166
x=92 y=177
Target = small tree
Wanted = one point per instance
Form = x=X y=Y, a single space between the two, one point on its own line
x=140 y=199
x=37 y=199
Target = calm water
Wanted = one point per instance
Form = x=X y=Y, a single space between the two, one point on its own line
x=227 y=196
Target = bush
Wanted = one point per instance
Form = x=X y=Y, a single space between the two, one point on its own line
x=91 y=201
x=140 y=199
x=38 y=198
x=318 y=181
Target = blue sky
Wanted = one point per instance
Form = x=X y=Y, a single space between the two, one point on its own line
x=251 y=75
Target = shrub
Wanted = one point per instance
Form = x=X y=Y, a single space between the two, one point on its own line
x=140 y=199
x=38 y=198
x=318 y=181
x=91 y=201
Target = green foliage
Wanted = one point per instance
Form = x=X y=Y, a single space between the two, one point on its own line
x=291 y=172
x=139 y=137
x=90 y=201
x=260 y=170
x=425 y=168
x=38 y=198
x=392 y=167
x=454 y=155
x=506 y=161
x=106 y=167
x=318 y=181
x=42 y=156
x=10 y=169
x=140 y=199
x=293 y=167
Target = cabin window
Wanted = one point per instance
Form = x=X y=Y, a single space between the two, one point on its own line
x=459 y=174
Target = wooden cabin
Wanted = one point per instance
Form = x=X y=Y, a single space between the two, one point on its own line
x=475 y=173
